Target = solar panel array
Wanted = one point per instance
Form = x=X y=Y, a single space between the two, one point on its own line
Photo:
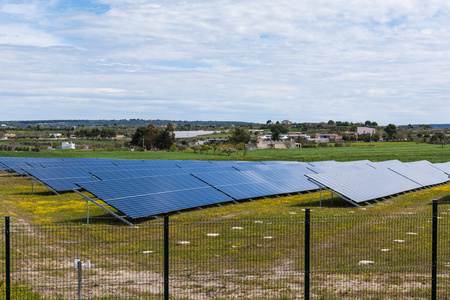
x=146 y=196
x=444 y=167
x=380 y=180
x=141 y=188
x=252 y=184
x=361 y=186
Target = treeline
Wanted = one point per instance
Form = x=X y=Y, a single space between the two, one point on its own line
x=153 y=138
x=93 y=133
x=13 y=147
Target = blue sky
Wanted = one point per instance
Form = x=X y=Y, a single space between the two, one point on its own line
x=386 y=61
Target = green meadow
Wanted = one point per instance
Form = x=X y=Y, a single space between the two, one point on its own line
x=380 y=151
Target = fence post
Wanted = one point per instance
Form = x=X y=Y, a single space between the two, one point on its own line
x=166 y=257
x=434 y=252
x=7 y=260
x=307 y=252
x=80 y=284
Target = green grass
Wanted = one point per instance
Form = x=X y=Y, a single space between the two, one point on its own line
x=403 y=151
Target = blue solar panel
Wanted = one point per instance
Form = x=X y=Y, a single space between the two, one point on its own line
x=134 y=173
x=61 y=179
x=254 y=184
x=17 y=164
x=444 y=167
x=385 y=164
x=160 y=183
x=365 y=185
x=340 y=167
x=147 y=196
x=421 y=172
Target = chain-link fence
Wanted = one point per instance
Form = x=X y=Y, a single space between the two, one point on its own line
x=266 y=257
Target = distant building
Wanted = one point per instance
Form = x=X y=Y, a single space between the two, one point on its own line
x=264 y=144
x=68 y=145
x=191 y=134
x=296 y=135
x=365 y=130
x=256 y=131
x=332 y=137
x=286 y=122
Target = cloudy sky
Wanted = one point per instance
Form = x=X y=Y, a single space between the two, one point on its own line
x=244 y=60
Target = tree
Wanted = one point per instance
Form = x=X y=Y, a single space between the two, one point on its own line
x=195 y=148
x=228 y=149
x=215 y=147
x=275 y=135
x=439 y=138
x=107 y=132
x=165 y=137
x=330 y=122
x=138 y=136
x=288 y=144
x=239 y=135
x=278 y=129
x=390 y=130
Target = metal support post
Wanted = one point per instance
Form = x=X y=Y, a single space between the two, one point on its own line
x=434 y=252
x=166 y=257
x=307 y=251
x=87 y=212
x=7 y=260
x=79 y=266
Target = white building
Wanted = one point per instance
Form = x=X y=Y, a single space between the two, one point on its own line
x=365 y=130
x=56 y=135
x=68 y=145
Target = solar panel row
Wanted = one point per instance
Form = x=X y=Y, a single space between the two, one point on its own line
x=146 y=196
x=362 y=186
x=141 y=188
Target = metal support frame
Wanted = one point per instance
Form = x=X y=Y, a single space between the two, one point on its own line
x=6 y=172
x=102 y=206
x=34 y=179
x=321 y=186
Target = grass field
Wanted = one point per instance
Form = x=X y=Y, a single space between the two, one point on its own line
x=403 y=151
x=262 y=258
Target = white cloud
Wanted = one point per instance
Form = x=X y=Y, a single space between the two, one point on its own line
x=25 y=35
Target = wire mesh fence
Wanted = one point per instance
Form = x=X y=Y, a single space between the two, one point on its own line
x=230 y=257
